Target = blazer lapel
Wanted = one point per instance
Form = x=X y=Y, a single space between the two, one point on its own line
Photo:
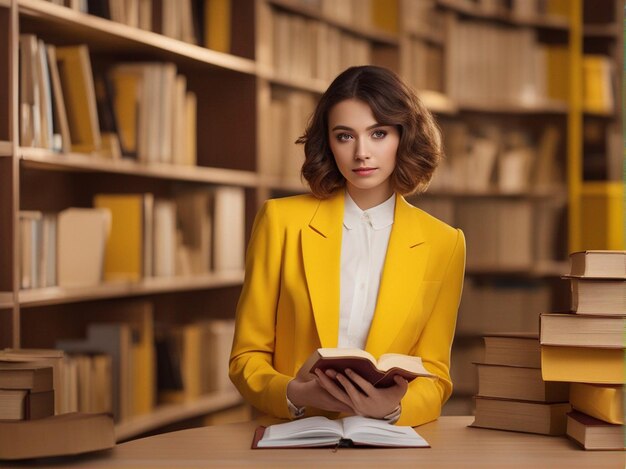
x=321 y=254
x=403 y=271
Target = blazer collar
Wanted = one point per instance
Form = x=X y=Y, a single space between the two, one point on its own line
x=402 y=271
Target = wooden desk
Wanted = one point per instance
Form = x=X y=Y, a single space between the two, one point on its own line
x=453 y=445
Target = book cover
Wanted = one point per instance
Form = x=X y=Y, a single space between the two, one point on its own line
x=582 y=364
x=603 y=402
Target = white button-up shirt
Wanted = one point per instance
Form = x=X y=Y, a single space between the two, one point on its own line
x=363 y=250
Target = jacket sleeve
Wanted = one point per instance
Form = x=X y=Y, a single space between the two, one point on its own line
x=251 y=361
x=423 y=401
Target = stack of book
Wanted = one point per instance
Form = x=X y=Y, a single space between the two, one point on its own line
x=586 y=347
x=26 y=392
x=511 y=393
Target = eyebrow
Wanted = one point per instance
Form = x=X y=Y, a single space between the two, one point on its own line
x=345 y=127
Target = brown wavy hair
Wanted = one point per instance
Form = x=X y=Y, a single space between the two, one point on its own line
x=392 y=103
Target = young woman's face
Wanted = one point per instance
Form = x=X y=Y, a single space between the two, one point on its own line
x=364 y=149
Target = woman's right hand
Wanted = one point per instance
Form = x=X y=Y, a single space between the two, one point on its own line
x=311 y=394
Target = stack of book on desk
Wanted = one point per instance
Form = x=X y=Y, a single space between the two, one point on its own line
x=32 y=424
x=586 y=347
x=511 y=393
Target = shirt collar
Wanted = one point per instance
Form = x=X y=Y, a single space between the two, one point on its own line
x=380 y=216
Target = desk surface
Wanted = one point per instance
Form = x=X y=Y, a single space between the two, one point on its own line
x=453 y=445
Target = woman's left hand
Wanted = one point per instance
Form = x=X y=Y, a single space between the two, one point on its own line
x=369 y=401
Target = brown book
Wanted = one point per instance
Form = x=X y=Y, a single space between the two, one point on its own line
x=598 y=264
x=513 y=350
x=61 y=435
x=511 y=382
x=350 y=431
x=580 y=330
x=33 y=378
x=521 y=416
x=599 y=296
x=594 y=434
x=20 y=404
x=378 y=372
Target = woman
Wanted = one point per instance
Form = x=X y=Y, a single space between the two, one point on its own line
x=352 y=264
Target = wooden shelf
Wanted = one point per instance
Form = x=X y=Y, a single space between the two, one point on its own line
x=105 y=35
x=5 y=3
x=538 y=21
x=498 y=194
x=46 y=159
x=369 y=33
x=602 y=30
x=61 y=295
x=517 y=109
x=312 y=85
x=6 y=300
x=538 y=270
x=437 y=102
x=6 y=148
x=288 y=185
x=434 y=37
x=172 y=413
x=604 y=114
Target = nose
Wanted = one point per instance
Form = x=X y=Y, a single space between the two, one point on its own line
x=361 y=151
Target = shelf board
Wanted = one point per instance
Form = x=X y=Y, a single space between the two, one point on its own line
x=507 y=108
x=437 y=102
x=606 y=113
x=497 y=194
x=6 y=299
x=431 y=36
x=288 y=185
x=6 y=148
x=62 y=295
x=312 y=85
x=172 y=413
x=46 y=159
x=540 y=269
x=537 y=21
x=5 y=3
x=370 y=33
x=105 y=35
x=610 y=30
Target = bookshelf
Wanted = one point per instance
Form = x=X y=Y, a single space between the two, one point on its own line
x=240 y=97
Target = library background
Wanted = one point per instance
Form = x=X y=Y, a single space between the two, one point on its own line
x=138 y=139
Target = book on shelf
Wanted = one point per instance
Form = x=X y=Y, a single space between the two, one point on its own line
x=128 y=254
x=61 y=435
x=81 y=241
x=513 y=349
x=598 y=296
x=603 y=402
x=229 y=228
x=513 y=382
x=579 y=330
x=380 y=372
x=594 y=434
x=80 y=98
x=33 y=378
x=349 y=431
x=600 y=264
x=19 y=359
x=217 y=22
x=115 y=340
x=582 y=364
x=521 y=416
x=60 y=123
x=23 y=404
x=598 y=83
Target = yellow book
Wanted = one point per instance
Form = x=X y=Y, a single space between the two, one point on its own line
x=124 y=249
x=190 y=348
x=385 y=15
x=557 y=73
x=217 y=19
x=597 y=89
x=600 y=401
x=582 y=364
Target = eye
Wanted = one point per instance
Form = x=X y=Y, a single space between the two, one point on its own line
x=378 y=134
x=343 y=137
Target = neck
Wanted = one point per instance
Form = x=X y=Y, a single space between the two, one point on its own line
x=368 y=198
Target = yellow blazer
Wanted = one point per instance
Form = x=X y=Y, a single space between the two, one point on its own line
x=289 y=304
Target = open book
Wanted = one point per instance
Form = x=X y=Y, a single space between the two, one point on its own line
x=378 y=372
x=350 y=431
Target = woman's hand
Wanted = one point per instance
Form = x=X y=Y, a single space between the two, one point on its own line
x=311 y=394
x=368 y=401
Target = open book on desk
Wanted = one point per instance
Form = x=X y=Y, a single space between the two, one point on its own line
x=378 y=372
x=349 y=431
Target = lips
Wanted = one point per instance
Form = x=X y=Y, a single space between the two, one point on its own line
x=364 y=171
